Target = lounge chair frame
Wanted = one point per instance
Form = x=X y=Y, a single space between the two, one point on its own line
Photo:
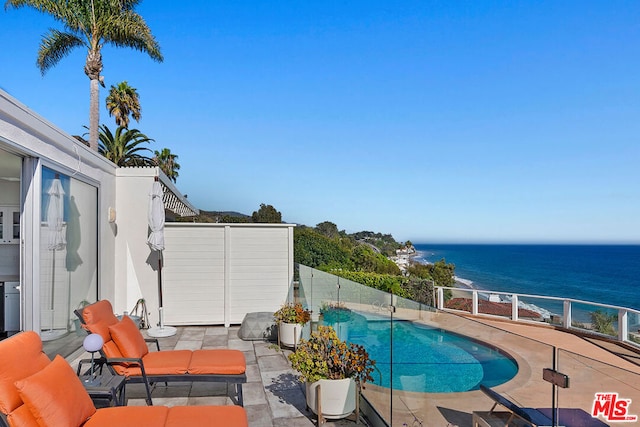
x=149 y=380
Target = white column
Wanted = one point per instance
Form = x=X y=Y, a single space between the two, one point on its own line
x=566 y=322
x=474 y=303
x=514 y=307
x=623 y=325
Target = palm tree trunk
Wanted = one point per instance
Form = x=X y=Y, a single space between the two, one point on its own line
x=94 y=114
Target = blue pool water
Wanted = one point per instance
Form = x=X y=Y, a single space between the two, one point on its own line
x=429 y=359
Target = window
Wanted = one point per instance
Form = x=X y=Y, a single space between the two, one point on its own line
x=68 y=258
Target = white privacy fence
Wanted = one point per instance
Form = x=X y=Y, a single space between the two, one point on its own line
x=216 y=273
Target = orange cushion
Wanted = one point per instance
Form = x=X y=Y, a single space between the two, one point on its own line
x=128 y=338
x=166 y=362
x=20 y=356
x=130 y=416
x=98 y=317
x=22 y=417
x=211 y=416
x=55 y=396
x=217 y=362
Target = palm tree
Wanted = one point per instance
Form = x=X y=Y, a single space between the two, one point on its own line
x=123 y=101
x=91 y=24
x=123 y=148
x=167 y=163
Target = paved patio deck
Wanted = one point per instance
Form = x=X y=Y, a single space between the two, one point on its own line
x=274 y=397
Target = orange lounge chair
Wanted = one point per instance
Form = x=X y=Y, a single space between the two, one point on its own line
x=35 y=391
x=126 y=353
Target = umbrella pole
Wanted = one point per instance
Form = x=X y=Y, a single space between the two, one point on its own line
x=53 y=287
x=162 y=330
x=161 y=305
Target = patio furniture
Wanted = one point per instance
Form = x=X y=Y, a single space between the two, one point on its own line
x=35 y=391
x=525 y=417
x=258 y=326
x=126 y=353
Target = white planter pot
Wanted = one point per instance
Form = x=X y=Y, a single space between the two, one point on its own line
x=338 y=397
x=290 y=333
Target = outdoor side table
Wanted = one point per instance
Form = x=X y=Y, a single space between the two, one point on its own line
x=109 y=389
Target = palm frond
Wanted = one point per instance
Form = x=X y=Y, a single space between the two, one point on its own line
x=54 y=46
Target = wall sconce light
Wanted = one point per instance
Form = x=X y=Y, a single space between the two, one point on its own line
x=112 y=215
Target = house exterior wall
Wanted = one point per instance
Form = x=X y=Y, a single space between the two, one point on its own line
x=213 y=273
x=39 y=143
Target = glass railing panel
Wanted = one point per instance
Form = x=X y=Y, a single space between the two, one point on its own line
x=540 y=309
x=440 y=361
x=601 y=384
x=633 y=327
x=495 y=304
x=594 y=318
x=359 y=314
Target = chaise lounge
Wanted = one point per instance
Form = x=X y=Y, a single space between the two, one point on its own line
x=517 y=416
x=126 y=353
x=35 y=391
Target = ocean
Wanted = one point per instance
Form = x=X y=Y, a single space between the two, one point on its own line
x=606 y=274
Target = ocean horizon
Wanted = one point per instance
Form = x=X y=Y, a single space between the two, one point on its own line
x=604 y=274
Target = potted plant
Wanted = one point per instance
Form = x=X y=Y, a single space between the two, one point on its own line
x=291 y=318
x=337 y=367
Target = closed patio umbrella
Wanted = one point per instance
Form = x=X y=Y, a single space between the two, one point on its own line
x=57 y=241
x=156 y=243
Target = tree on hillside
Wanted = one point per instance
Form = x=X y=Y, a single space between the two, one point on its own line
x=267 y=214
x=123 y=101
x=366 y=259
x=441 y=272
x=315 y=250
x=91 y=24
x=166 y=160
x=328 y=229
x=123 y=148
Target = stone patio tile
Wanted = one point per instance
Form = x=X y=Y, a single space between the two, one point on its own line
x=238 y=344
x=215 y=341
x=253 y=373
x=253 y=394
x=263 y=348
x=293 y=422
x=256 y=415
x=250 y=357
x=211 y=400
x=216 y=330
x=192 y=334
x=273 y=363
x=188 y=345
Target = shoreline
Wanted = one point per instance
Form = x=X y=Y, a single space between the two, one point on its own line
x=469 y=285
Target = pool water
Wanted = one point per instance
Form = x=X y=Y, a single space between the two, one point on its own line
x=427 y=359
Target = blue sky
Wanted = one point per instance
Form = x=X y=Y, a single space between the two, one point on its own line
x=435 y=121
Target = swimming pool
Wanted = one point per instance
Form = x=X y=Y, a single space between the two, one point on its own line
x=427 y=359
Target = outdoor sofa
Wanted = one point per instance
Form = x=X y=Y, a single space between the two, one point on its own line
x=35 y=391
x=126 y=353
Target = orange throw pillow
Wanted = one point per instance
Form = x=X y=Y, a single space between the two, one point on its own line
x=128 y=338
x=55 y=396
